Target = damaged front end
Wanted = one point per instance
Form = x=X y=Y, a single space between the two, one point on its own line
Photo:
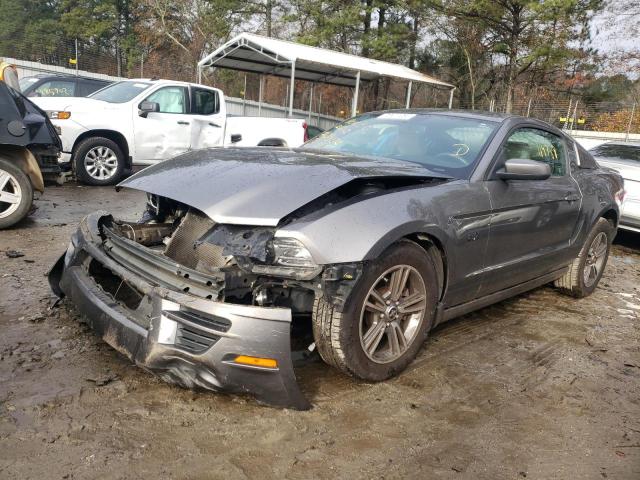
x=197 y=303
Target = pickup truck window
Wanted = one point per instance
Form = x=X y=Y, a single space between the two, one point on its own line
x=204 y=102
x=170 y=99
x=121 y=92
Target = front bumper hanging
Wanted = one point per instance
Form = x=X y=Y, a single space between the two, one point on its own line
x=184 y=339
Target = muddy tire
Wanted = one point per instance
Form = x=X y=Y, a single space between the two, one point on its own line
x=386 y=318
x=586 y=269
x=98 y=161
x=16 y=194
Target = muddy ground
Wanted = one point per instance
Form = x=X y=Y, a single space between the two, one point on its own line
x=541 y=386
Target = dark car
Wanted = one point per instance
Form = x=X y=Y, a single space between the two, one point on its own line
x=60 y=86
x=29 y=147
x=376 y=231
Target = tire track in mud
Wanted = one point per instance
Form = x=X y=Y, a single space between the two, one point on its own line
x=453 y=336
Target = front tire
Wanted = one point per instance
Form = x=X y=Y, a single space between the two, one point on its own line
x=586 y=270
x=16 y=194
x=386 y=318
x=99 y=161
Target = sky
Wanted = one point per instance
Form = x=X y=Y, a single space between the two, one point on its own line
x=617 y=30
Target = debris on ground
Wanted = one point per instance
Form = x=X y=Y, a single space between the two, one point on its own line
x=103 y=380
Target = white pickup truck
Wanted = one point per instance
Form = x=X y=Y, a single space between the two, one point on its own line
x=141 y=122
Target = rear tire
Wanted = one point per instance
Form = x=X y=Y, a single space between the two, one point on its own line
x=98 y=161
x=16 y=191
x=377 y=343
x=586 y=270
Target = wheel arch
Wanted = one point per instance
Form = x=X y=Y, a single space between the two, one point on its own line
x=435 y=250
x=612 y=215
x=272 y=142
x=113 y=135
x=25 y=161
x=429 y=239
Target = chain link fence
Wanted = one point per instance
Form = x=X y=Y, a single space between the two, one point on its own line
x=574 y=115
x=569 y=112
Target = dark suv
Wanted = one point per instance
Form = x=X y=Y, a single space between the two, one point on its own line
x=60 y=86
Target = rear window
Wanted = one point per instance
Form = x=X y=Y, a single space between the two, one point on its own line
x=616 y=151
x=87 y=87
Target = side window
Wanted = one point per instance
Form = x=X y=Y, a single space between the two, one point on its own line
x=534 y=144
x=171 y=99
x=55 y=88
x=86 y=87
x=205 y=102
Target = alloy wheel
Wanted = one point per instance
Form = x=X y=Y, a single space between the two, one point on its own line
x=596 y=256
x=392 y=313
x=101 y=163
x=10 y=194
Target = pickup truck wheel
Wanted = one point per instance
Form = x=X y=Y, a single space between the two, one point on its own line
x=99 y=161
x=586 y=269
x=16 y=194
x=386 y=319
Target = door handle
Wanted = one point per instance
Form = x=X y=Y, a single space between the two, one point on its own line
x=182 y=122
x=211 y=124
x=571 y=197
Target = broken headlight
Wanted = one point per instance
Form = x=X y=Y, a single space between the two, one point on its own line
x=290 y=258
x=290 y=252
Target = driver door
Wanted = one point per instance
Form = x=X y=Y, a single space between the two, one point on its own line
x=532 y=221
x=164 y=134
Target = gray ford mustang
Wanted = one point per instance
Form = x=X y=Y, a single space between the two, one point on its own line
x=375 y=231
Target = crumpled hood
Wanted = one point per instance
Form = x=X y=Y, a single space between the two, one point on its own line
x=259 y=186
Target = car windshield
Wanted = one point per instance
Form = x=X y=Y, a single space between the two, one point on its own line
x=120 y=92
x=617 y=152
x=445 y=144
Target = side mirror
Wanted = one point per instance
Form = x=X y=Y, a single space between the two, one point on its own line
x=236 y=137
x=524 y=169
x=145 y=108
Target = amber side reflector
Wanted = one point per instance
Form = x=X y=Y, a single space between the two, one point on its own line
x=256 y=361
x=64 y=115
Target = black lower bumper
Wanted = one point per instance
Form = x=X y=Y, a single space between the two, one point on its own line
x=184 y=339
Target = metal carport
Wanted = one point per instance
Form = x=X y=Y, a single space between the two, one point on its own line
x=253 y=53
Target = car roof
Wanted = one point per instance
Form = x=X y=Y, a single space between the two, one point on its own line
x=477 y=114
x=621 y=143
x=159 y=81
x=45 y=75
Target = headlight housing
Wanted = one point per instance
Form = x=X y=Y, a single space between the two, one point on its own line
x=58 y=114
x=290 y=259
x=290 y=252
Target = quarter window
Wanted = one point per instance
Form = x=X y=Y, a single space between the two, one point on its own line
x=170 y=99
x=534 y=144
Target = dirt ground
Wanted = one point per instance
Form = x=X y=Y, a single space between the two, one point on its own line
x=541 y=386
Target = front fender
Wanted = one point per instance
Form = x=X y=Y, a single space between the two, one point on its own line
x=362 y=230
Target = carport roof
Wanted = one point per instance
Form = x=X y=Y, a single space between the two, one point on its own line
x=249 y=52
